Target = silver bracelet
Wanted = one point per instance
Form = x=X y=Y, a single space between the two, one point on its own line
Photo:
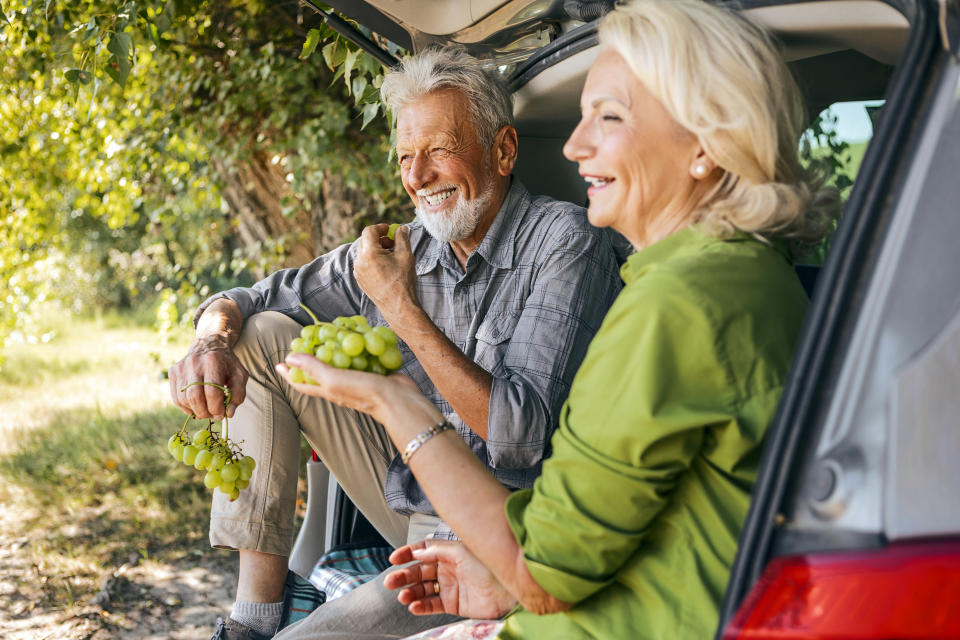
x=417 y=442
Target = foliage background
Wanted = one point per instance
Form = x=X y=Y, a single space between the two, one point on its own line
x=152 y=152
x=155 y=151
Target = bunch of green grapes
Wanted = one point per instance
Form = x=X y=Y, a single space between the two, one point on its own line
x=209 y=450
x=347 y=343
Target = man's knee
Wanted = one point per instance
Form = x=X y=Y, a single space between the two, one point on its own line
x=266 y=336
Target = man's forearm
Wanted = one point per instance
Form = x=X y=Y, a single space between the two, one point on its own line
x=222 y=318
x=463 y=383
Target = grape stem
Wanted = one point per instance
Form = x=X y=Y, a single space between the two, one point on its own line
x=226 y=401
x=307 y=309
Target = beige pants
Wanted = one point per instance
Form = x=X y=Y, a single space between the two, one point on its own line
x=353 y=446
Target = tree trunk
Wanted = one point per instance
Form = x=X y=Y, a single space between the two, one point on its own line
x=255 y=192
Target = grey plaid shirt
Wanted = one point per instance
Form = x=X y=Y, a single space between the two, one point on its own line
x=525 y=307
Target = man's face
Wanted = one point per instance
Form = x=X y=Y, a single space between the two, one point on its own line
x=447 y=174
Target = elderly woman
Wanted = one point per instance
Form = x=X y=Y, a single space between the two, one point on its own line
x=688 y=142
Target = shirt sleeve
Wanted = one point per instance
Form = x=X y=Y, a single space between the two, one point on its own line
x=651 y=384
x=576 y=282
x=326 y=285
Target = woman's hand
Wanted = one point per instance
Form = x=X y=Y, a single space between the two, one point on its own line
x=466 y=588
x=394 y=400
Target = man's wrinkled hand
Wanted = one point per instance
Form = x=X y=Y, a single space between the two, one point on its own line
x=386 y=270
x=210 y=359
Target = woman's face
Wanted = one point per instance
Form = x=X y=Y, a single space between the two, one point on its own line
x=636 y=159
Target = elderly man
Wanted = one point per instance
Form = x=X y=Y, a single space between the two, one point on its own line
x=494 y=295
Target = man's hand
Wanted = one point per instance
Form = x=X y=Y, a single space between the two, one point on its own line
x=211 y=359
x=448 y=579
x=386 y=271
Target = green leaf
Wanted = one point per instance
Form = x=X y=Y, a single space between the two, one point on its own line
x=310 y=44
x=348 y=63
x=77 y=76
x=119 y=45
x=329 y=52
x=4 y=13
x=153 y=33
x=118 y=65
x=369 y=113
x=358 y=86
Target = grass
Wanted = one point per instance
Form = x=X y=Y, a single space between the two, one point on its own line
x=87 y=481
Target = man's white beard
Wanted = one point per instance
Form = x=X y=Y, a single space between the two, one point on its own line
x=461 y=221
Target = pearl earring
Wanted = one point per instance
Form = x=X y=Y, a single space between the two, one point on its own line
x=700 y=170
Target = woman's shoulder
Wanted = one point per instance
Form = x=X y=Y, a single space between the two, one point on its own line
x=714 y=271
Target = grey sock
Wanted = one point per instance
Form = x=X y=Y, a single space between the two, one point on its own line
x=262 y=617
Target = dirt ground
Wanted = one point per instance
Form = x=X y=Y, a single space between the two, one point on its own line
x=140 y=599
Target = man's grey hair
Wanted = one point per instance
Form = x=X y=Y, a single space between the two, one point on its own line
x=489 y=102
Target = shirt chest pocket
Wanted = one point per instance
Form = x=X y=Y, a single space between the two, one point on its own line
x=493 y=338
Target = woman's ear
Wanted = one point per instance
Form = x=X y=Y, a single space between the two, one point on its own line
x=505 y=147
x=702 y=166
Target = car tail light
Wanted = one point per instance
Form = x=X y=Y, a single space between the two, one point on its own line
x=904 y=591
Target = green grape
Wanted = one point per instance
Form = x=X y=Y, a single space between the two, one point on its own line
x=352 y=344
x=341 y=360
x=310 y=332
x=359 y=363
x=297 y=375
x=212 y=480
x=344 y=322
x=217 y=462
x=178 y=452
x=234 y=494
x=172 y=443
x=298 y=345
x=392 y=231
x=243 y=484
x=204 y=457
x=387 y=334
x=245 y=472
x=190 y=454
x=359 y=319
x=376 y=367
x=374 y=343
x=391 y=358
x=200 y=437
x=326 y=332
x=248 y=461
x=325 y=354
x=229 y=473
x=227 y=487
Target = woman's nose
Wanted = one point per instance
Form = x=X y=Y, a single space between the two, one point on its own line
x=577 y=146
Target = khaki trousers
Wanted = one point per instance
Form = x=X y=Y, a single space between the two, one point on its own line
x=353 y=446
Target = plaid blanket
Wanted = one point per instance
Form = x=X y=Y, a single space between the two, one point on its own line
x=338 y=571
x=344 y=568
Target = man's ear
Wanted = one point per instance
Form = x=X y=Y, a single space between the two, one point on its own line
x=505 y=147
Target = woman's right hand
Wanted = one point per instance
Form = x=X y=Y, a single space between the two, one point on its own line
x=447 y=579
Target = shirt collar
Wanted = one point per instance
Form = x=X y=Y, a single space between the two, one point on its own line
x=687 y=240
x=497 y=246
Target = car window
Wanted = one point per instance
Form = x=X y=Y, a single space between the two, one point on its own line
x=835 y=143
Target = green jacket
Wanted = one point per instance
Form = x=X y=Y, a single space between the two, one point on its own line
x=638 y=511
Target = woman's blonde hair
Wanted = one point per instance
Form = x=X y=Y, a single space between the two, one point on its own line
x=723 y=78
